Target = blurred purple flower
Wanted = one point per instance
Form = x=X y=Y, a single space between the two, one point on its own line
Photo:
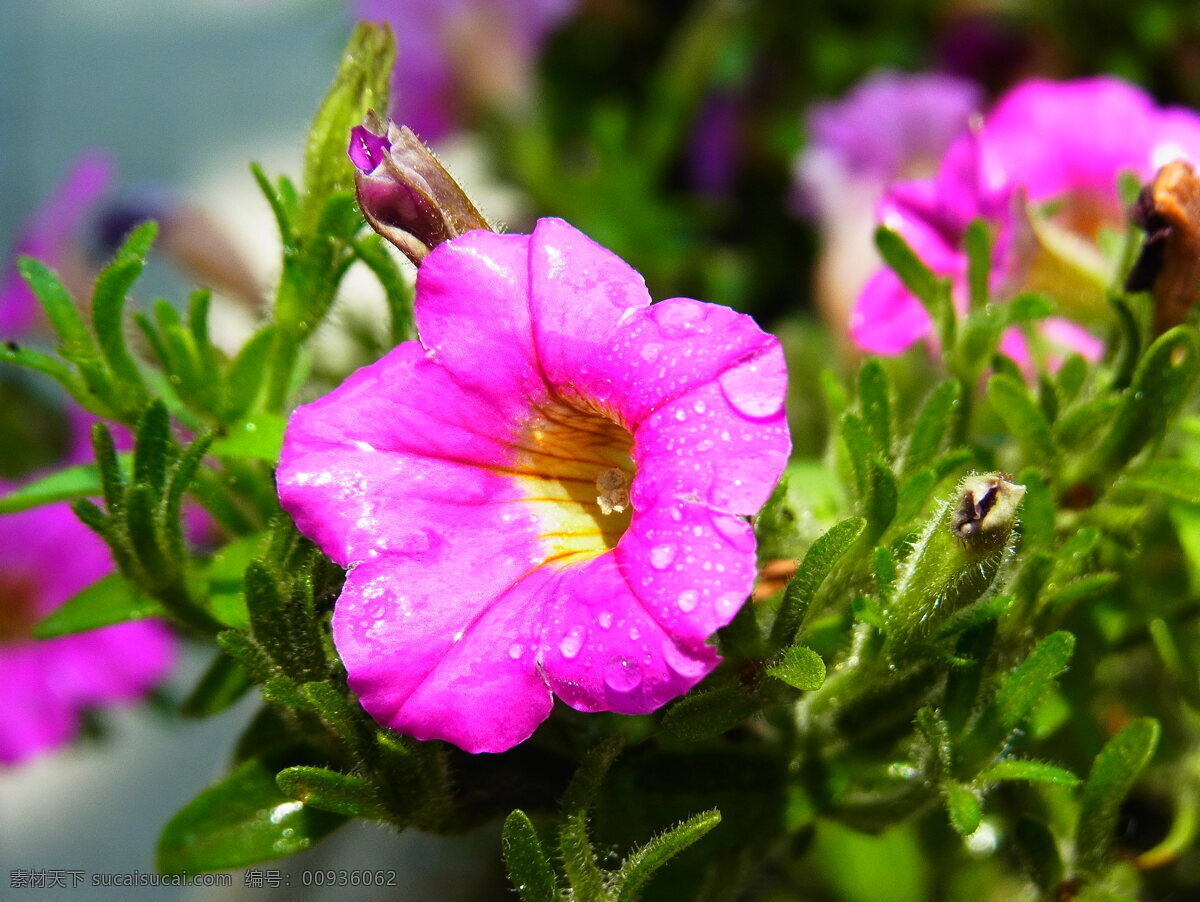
x=1044 y=141
x=46 y=556
x=891 y=126
x=48 y=235
x=453 y=55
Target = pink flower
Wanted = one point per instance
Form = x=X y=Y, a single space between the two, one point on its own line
x=546 y=494
x=46 y=556
x=1044 y=141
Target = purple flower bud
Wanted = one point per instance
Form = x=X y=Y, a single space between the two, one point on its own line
x=367 y=149
x=405 y=193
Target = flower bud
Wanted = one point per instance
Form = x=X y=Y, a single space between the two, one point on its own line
x=1168 y=210
x=404 y=192
x=956 y=558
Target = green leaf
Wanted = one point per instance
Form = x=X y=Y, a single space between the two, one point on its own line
x=977 y=242
x=260 y=437
x=800 y=667
x=932 y=292
x=374 y=253
x=328 y=790
x=246 y=652
x=710 y=712
x=1172 y=478
x=641 y=864
x=76 y=343
x=873 y=392
x=1161 y=383
x=1070 y=377
x=1038 y=851
x=80 y=481
x=883 y=499
x=1027 y=307
x=1113 y=774
x=107 y=601
x=528 y=868
x=963 y=807
x=1025 y=685
x=239 y=821
x=1037 y=511
x=931 y=425
x=11 y=352
x=579 y=861
x=108 y=302
x=860 y=451
x=223 y=683
x=1021 y=416
x=885 y=573
x=1029 y=771
x=150 y=446
x=974 y=615
x=361 y=84
x=245 y=378
x=816 y=566
x=337 y=713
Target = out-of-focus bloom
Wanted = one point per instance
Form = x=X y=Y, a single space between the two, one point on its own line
x=891 y=126
x=545 y=494
x=46 y=556
x=454 y=57
x=48 y=236
x=1042 y=169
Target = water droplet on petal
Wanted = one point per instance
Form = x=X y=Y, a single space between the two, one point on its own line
x=661 y=556
x=634 y=634
x=572 y=642
x=515 y=651
x=679 y=662
x=605 y=619
x=699 y=407
x=688 y=599
x=650 y=352
x=622 y=675
x=735 y=530
x=681 y=414
x=728 y=604
x=677 y=318
x=754 y=389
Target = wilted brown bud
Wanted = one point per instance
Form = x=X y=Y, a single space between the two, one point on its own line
x=405 y=193
x=1168 y=209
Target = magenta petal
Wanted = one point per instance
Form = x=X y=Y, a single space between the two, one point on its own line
x=604 y=651
x=472 y=312
x=37 y=717
x=437 y=661
x=604 y=292
x=886 y=319
x=690 y=566
x=706 y=446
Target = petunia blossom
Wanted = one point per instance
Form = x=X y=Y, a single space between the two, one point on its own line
x=1042 y=170
x=46 y=556
x=544 y=496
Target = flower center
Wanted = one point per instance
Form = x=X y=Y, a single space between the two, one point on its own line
x=18 y=610
x=574 y=471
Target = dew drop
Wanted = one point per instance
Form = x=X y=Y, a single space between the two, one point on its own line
x=728 y=604
x=634 y=634
x=699 y=407
x=735 y=530
x=572 y=642
x=622 y=675
x=515 y=651
x=688 y=599
x=754 y=389
x=681 y=414
x=679 y=662
x=605 y=619
x=650 y=352
x=661 y=556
